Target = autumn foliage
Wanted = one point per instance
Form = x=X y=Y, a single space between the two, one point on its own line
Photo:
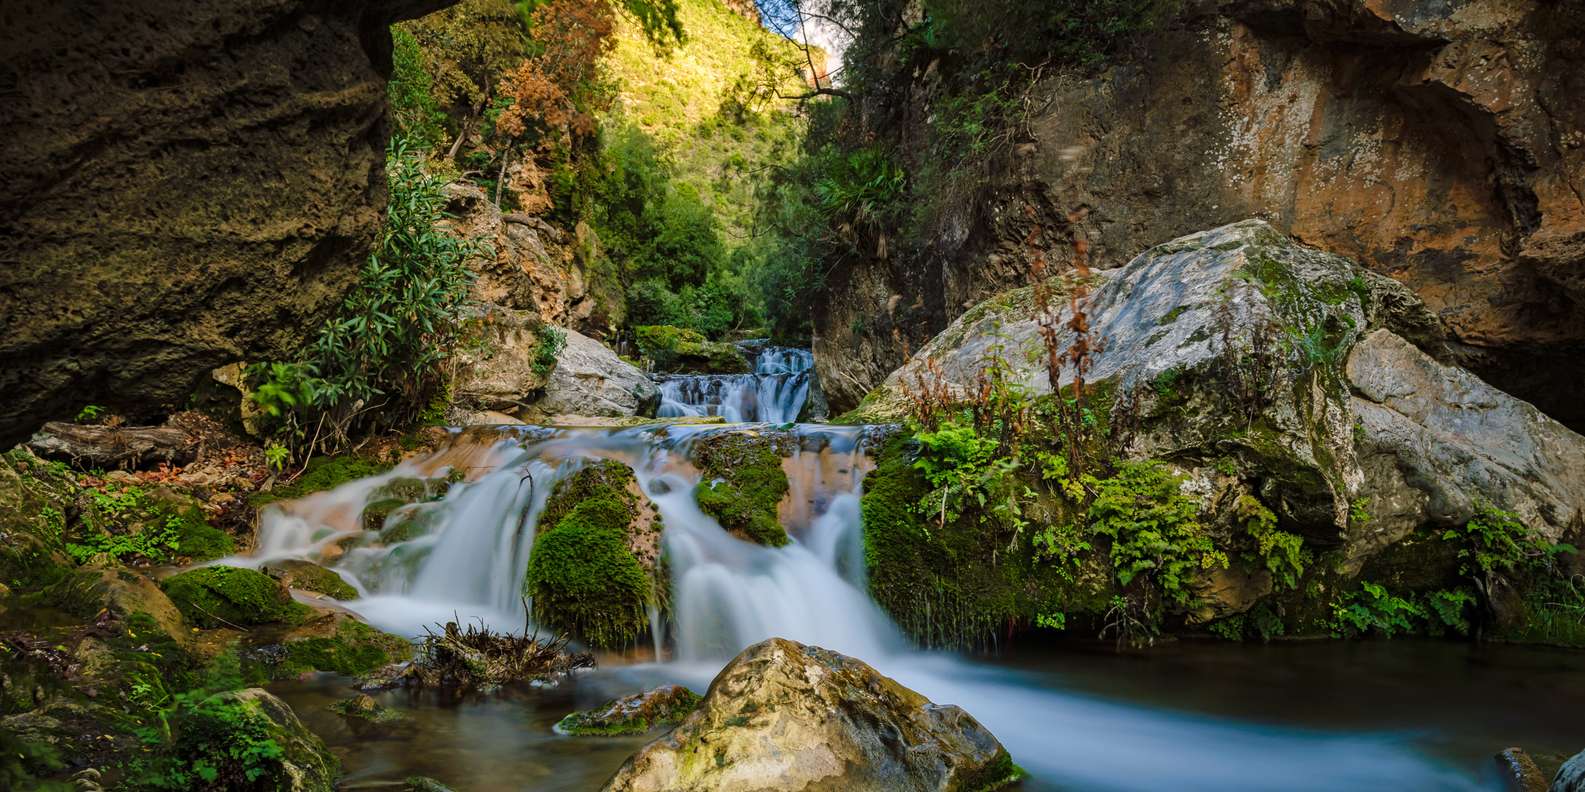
x=556 y=92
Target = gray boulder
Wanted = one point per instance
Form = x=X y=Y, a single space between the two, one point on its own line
x=1571 y=776
x=514 y=371
x=1319 y=379
x=590 y=380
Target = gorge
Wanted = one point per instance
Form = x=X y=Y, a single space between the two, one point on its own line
x=800 y=394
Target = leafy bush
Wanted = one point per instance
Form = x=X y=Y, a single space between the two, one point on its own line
x=415 y=115
x=1154 y=529
x=550 y=343
x=1374 y=609
x=1281 y=552
x=861 y=189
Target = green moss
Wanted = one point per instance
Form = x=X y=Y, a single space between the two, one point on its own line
x=944 y=584
x=356 y=649
x=311 y=577
x=636 y=714
x=231 y=596
x=584 y=579
x=197 y=540
x=681 y=349
x=742 y=485
x=999 y=773
x=322 y=473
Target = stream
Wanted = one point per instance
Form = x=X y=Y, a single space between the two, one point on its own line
x=1297 y=716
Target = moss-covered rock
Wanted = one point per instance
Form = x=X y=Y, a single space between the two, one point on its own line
x=636 y=714
x=222 y=596
x=591 y=573
x=331 y=640
x=677 y=349
x=942 y=583
x=367 y=717
x=321 y=474
x=742 y=485
x=308 y=576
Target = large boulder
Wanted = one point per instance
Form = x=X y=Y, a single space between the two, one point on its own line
x=590 y=380
x=1315 y=376
x=1437 y=142
x=187 y=184
x=785 y=716
x=306 y=764
x=1571 y=776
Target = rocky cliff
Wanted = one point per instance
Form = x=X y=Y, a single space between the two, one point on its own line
x=187 y=184
x=1440 y=143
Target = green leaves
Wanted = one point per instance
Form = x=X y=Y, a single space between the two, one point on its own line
x=1154 y=528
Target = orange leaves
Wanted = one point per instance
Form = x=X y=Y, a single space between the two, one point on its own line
x=555 y=93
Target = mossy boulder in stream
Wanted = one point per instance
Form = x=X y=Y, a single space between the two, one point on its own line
x=680 y=350
x=592 y=573
x=785 y=716
x=222 y=596
x=309 y=576
x=742 y=484
x=636 y=714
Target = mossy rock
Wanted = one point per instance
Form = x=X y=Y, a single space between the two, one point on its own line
x=677 y=349
x=336 y=642
x=377 y=513
x=308 y=576
x=197 y=540
x=321 y=474
x=408 y=524
x=943 y=584
x=635 y=714
x=223 y=596
x=742 y=485
x=583 y=575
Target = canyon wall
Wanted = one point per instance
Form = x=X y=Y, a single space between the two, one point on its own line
x=186 y=184
x=1440 y=143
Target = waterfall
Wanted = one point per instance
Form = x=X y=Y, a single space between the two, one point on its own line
x=469 y=557
x=774 y=393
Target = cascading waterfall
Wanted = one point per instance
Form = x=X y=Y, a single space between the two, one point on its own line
x=470 y=558
x=774 y=393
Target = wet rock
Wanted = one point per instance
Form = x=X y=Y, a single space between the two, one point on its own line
x=424 y=784
x=677 y=350
x=1519 y=772
x=309 y=576
x=113 y=447
x=785 y=716
x=189 y=230
x=1571 y=776
x=742 y=483
x=636 y=714
x=367 y=717
x=326 y=639
x=221 y=596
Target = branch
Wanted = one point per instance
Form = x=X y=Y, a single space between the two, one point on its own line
x=813 y=92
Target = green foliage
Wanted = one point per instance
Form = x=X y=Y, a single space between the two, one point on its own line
x=547 y=349
x=1281 y=552
x=221 y=596
x=861 y=189
x=1079 y=32
x=321 y=474
x=90 y=413
x=1551 y=612
x=1495 y=545
x=124 y=524
x=683 y=349
x=1449 y=610
x=217 y=743
x=968 y=473
x=415 y=115
x=1154 y=529
x=1374 y=609
x=276 y=456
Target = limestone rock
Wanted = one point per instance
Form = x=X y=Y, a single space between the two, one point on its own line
x=155 y=226
x=308 y=764
x=1435 y=142
x=635 y=714
x=1239 y=342
x=785 y=716
x=590 y=380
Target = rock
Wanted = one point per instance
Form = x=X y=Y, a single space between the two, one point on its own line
x=1571 y=776
x=534 y=269
x=307 y=764
x=507 y=370
x=666 y=705
x=1518 y=771
x=113 y=447
x=677 y=350
x=815 y=409
x=742 y=483
x=327 y=638
x=1238 y=342
x=785 y=716
x=423 y=784
x=222 y=596
x=1295 y=112
x=366 y=717
x=590 y=380
x=309 y=576
x=155 y=227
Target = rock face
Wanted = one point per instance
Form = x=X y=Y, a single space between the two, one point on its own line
x=1240 y=344
x=1434 y=142
x=187 y=184
x=1571 y=776
x=784 y=716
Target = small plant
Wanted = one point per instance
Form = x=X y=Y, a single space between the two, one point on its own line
x=1374 y=609
x=90 y=413
x=276 y=456
x=1154 y=529
x=1281 y=552
x=551 y=341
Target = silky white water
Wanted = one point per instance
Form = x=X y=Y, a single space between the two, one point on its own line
x=728 y=594
x=774 y=393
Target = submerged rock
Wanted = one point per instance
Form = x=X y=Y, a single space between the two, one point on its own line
x=366 y=717
x=1519 y=772
x=309 y=576
x=636 y=714
x=785 y=716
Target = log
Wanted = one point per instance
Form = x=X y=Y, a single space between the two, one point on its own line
x=114 y=447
